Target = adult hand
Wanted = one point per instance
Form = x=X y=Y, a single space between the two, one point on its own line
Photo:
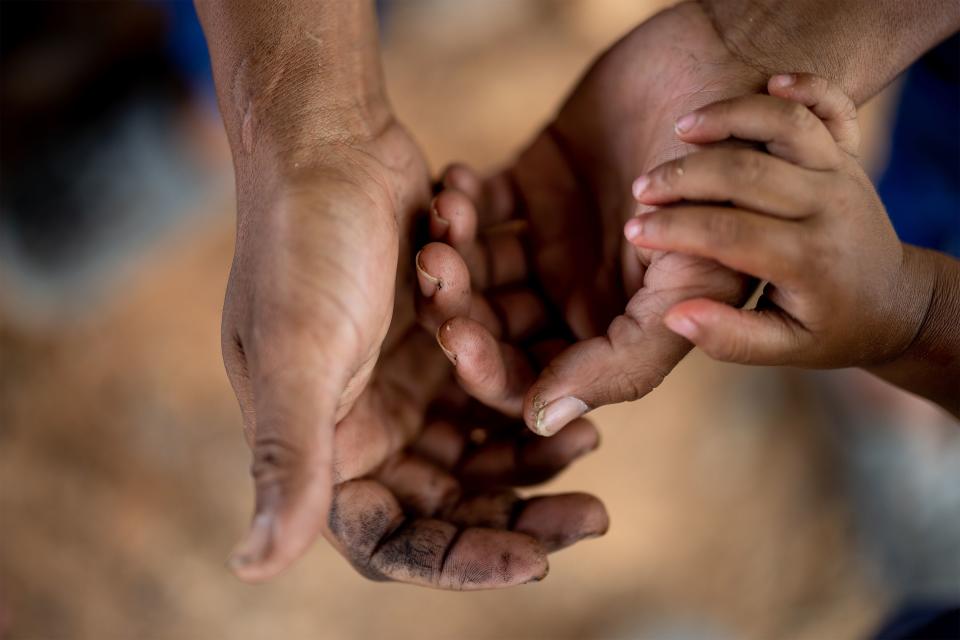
x=569 y=274
x=308 y=307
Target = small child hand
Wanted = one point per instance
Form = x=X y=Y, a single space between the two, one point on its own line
x=842 y=289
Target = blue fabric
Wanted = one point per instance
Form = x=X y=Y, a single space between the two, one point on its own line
x=921 y=190
x=921 y=186
x=187 y=47
x=923 y=622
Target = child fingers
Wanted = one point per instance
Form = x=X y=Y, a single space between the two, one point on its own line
x=788 y=129
x=827 y=100
x=748 y=178
x=767 y=337
x=761 y=246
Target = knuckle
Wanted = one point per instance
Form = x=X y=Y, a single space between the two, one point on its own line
x=723 y=229
x=748 y=166
x=275 y=461
x=671 y=174
x=798 y=116
x=735 y=349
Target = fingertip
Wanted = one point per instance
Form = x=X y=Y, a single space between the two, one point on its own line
x=463 y=178
x=633 y=229
x=444 y=283
x=247 y=561
x=640 y=186
x=683 y=325
x=446 y=328
x=781 y=82
x=685 y=124
x=556 y=414
x=456 y=217
x=429 y=284
x=439 y=226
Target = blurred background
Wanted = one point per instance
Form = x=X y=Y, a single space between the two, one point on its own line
x=745 y=503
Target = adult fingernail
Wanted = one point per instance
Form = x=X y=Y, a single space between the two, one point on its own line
x=640 y=185
x=428 y=283
x=683 y=325
x=633 y=229
x=451 y=356
x=435 y=215
x=256 y=545
x=687 y=122
x=557 y=414
x=783 y=80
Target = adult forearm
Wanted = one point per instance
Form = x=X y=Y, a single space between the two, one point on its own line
x=860 y=44
x=930 y=366
x=294 y=75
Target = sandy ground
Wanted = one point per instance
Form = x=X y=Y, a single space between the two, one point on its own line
x=123 y=472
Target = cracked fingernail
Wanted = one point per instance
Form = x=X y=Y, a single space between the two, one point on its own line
x=428 y=284
x=557 y=414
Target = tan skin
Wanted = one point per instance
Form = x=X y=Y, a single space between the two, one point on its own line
x=571 y=187
x=842 y=290
x=318 y=329
x=342 y=395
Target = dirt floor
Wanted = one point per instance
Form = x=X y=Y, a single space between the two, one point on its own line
x=123 y=473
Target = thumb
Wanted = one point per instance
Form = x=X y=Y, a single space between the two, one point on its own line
x=625 y=364
x=746 y=336
x=293 y=413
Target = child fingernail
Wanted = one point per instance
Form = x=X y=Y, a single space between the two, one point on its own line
x=558 y=414
x=633 y=229
x=640 y=185
x=686 y=123
x=682 y=325
x=783 y=80
x=428 y=283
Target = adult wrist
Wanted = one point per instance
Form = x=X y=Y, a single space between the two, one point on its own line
x=860 y=45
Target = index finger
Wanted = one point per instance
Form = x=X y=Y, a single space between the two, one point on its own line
x=788 y=129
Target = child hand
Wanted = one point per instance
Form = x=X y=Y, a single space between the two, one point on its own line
x=842 y=289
